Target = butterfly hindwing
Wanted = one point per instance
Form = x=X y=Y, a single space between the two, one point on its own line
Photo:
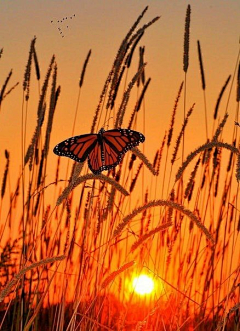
x=115 y=143
x=95 y=161
x=102 y=157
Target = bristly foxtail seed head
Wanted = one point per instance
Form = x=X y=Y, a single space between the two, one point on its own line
x=186 y=39
x=238 y=168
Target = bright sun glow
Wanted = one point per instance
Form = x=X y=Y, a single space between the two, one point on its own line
x=143 y=284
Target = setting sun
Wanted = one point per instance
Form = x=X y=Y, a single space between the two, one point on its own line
x=143 y=284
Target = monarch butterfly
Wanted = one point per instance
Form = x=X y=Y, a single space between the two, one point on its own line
x=104 y=150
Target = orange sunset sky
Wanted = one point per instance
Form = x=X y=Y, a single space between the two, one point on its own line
x=101 y=26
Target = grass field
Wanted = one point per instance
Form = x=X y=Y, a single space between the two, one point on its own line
x=72 y=242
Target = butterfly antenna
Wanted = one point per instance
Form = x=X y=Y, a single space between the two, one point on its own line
x=107 y=121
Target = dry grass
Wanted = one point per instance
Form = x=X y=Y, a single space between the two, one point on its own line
x=71 y=262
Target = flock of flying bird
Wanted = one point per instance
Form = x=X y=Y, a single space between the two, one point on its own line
x=63 y=20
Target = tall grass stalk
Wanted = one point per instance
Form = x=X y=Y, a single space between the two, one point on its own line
x=203 y=80
x=186 y=63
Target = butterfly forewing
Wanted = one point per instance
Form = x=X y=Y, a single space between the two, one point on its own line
x=123 y=139
x=116 y=143
x=77 y=148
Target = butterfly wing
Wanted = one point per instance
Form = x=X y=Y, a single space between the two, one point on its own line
x=114 y=144
x=77 y=148
x=95 y=159
x=104 y=150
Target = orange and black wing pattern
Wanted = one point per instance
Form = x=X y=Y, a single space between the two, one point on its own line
x=77 y=148
x=104 y=150
x=111 y=147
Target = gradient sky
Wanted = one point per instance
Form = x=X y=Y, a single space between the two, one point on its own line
x=101 y=26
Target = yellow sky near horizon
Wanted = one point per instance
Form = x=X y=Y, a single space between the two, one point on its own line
x=101 y=26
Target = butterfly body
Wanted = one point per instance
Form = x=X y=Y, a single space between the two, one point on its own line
x=104 y=149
